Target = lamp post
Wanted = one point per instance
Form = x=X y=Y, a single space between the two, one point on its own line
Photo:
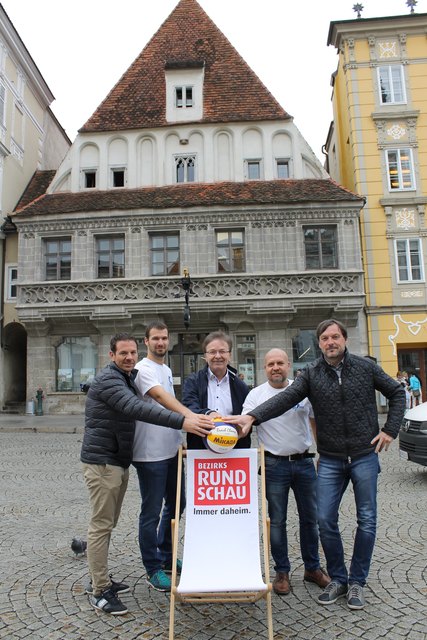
x=186 y=285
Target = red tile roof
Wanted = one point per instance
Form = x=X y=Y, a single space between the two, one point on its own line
x=37 y=186
x=198 y=195
x=187 y=38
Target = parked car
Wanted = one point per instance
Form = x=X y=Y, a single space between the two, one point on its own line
x=413 y=435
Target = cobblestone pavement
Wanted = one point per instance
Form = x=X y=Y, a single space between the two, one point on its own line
x=43 y=504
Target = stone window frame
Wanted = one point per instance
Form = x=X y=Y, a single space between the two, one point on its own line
x=59 y=255
x=114 y=269
x=398 y=171
x=389 y=69
x=231 y=250
x=321 y=246
x=409 y=264
x=170 y=265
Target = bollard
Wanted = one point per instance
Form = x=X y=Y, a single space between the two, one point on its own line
x=39 y=402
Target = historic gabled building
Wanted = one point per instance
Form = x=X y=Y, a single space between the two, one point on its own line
x=188 y=178
x=31 y=139
x=377 y=146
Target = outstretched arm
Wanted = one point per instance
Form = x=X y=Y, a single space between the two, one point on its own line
x=193 y=423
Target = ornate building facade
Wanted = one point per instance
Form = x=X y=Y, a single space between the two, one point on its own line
x=189 y=180
x=31 y=139
x=377 y=147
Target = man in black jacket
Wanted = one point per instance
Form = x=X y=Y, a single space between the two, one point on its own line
x=342 y=390
x=112 y=406
x=216 y=390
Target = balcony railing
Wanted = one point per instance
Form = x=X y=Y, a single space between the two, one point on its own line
x=57 y=296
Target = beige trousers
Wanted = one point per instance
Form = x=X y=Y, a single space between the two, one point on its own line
x=107 y=486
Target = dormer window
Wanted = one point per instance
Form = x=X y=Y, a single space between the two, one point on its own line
x=89 y=179
x=118 y=177
x=183 y=97
x=282 y=169
x=184 y=90
x=253 y=169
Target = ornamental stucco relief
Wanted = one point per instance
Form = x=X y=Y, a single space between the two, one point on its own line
x=387 y=49
x=203 y=288
x=405 y=218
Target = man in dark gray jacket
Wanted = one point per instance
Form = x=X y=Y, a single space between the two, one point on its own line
x=112 y=406
x=342 y=390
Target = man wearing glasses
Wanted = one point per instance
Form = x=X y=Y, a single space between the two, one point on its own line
x=216 y=390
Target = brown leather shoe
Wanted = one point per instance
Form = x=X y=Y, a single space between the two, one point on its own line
x=318 y=576
x=281 y=584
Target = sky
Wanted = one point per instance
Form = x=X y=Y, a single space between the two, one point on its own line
x=83 y=47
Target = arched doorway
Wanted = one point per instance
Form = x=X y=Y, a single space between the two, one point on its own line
x=15 y=365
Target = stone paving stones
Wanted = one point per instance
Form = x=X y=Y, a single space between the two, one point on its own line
x=43 y=505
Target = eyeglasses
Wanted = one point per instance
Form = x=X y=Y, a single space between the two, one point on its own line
x=213 y=352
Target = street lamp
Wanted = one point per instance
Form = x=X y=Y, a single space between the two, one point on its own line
x=186 y=285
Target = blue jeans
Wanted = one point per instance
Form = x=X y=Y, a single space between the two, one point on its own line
x=300 y=476
x=333 y=476
x=157 y=484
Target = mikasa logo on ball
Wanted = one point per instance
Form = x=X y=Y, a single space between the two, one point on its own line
x=225 y=482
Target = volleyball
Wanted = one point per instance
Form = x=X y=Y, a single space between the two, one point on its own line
x=222 y=438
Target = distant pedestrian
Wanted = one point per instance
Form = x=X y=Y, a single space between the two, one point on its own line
x=415 y=389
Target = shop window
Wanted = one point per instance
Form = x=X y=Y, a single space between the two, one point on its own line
x=245 y=353
x=76 y=359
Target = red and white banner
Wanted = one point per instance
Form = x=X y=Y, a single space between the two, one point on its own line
x=221 y=542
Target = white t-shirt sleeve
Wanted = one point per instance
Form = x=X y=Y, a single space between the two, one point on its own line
x=250 y=402
x=146 y=379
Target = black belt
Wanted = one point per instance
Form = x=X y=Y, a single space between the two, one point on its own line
x=294 y=456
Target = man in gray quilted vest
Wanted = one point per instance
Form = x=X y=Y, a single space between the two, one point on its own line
x=342 y=390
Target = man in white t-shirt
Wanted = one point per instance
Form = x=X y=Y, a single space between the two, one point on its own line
x=155 y=458
x=288 y=465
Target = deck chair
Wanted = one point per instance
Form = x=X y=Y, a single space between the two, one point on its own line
x=222 y=532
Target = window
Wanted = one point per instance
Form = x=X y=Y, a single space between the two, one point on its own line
x=246 y=358
x=409 y=260
x=58 y=258
x=89 y=179
x=76 y=360
x=400 y=169
x=282 y=169
x=118 y=177
x=164 y=254
x=391 y=84
x=185 y=168
x=305 y=349
x=253 y=169
x=11 y=282
x=320 y=247
x=110 y=253
x=183 y=97
x=230 y=251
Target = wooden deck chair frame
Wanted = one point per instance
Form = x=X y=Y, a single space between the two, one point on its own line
x=225 y=596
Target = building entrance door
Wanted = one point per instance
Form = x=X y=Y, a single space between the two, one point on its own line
x=414 y=360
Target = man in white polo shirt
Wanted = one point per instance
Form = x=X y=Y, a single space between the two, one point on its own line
x=288 y=465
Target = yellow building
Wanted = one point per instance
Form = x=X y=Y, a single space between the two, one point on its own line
x=377 y=147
